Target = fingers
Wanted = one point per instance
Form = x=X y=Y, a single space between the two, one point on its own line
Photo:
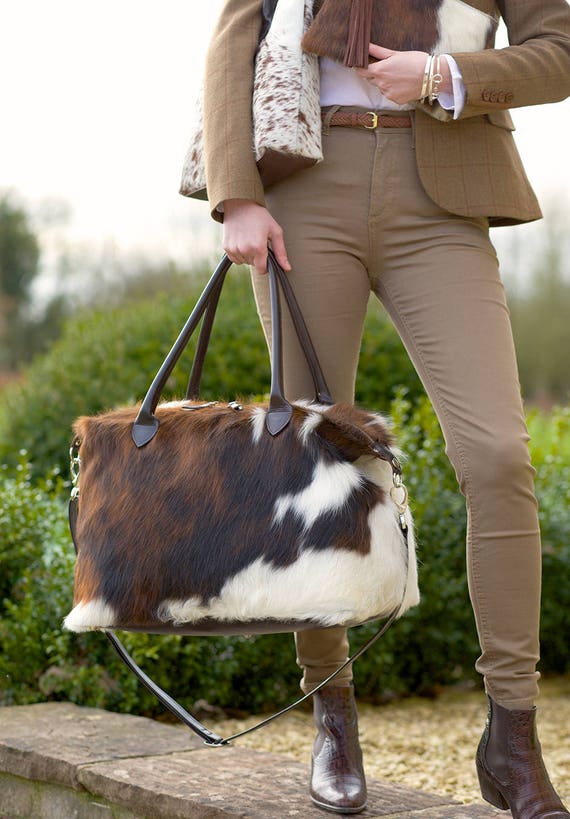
x=379 y=51
x=278 y=247
x=256 y=257
x=366 y=73
x=259 y=261
x=399 y=78
x=248 y=230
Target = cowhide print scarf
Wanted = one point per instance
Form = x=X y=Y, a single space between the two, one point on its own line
x=342 y=29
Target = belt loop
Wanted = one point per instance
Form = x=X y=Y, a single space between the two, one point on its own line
x=413 y=121
x=327 y=120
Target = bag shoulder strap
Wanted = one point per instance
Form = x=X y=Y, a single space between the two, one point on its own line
x=267 y=14
x=210 y=737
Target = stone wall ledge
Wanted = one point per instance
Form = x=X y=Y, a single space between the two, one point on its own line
x=60 y=761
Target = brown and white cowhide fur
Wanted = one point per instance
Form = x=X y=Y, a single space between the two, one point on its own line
x=465 y=26
x=434 y=26
x=215 y=522
x=286 y=106
x=193 y=182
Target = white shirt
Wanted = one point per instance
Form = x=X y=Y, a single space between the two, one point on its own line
x=343 y=86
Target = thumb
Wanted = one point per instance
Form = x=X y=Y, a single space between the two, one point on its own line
x=380 y=52
x=278 y=246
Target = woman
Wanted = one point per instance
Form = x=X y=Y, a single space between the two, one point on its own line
x=401 y=206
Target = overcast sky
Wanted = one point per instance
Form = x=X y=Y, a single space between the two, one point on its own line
x=97 y=105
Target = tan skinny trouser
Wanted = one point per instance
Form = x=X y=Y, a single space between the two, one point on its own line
x=360 y=222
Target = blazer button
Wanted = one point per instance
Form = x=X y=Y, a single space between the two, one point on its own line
x=502 y=97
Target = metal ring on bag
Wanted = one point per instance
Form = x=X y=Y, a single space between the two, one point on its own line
x=402 y=504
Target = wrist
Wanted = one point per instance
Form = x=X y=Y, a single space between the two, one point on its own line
x=436 y=78
x=234 y=205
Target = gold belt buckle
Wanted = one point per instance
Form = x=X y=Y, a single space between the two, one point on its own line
x=374 y=116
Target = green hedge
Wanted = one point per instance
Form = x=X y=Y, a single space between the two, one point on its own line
x=109 y=356
x=433 y=645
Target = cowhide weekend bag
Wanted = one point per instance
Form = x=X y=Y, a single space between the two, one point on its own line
x=204 y=517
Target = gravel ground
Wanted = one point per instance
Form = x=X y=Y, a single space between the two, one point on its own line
x=425 y=744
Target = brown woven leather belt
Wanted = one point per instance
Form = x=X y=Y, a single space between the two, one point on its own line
x=369 y=120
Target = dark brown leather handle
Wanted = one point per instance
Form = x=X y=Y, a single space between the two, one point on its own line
x=322 y=392
x=146 y=424
x=193 y=389
x=280 y=410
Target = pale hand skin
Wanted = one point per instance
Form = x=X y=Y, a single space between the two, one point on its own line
x=249 y=228
x=399 y=74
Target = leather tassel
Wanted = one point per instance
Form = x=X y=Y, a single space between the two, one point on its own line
x=342 y=30
x=359 y=33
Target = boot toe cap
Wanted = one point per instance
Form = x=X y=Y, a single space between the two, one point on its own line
x=347 y=800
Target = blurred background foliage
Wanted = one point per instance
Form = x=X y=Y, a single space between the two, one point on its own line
x=82 y=349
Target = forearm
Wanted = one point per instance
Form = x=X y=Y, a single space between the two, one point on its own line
x=231 y=172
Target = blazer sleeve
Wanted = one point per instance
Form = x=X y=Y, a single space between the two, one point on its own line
x=231 y=171
x=533 y=69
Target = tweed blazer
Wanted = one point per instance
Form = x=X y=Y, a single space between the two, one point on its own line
x=469 y=166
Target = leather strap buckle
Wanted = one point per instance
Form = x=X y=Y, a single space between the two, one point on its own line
x=374 y=125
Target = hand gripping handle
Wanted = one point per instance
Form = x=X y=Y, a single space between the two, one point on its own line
x=146 y=424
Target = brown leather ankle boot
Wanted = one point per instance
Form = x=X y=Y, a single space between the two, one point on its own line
x=337 y=775
x=510 y=766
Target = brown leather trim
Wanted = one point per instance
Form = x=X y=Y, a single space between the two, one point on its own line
x=210 y=627
x=275 y=166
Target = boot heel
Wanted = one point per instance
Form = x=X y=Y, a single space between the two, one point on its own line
x=489 y=790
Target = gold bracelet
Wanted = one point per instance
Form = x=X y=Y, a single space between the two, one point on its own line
x=435 y=78
x=427 y=72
